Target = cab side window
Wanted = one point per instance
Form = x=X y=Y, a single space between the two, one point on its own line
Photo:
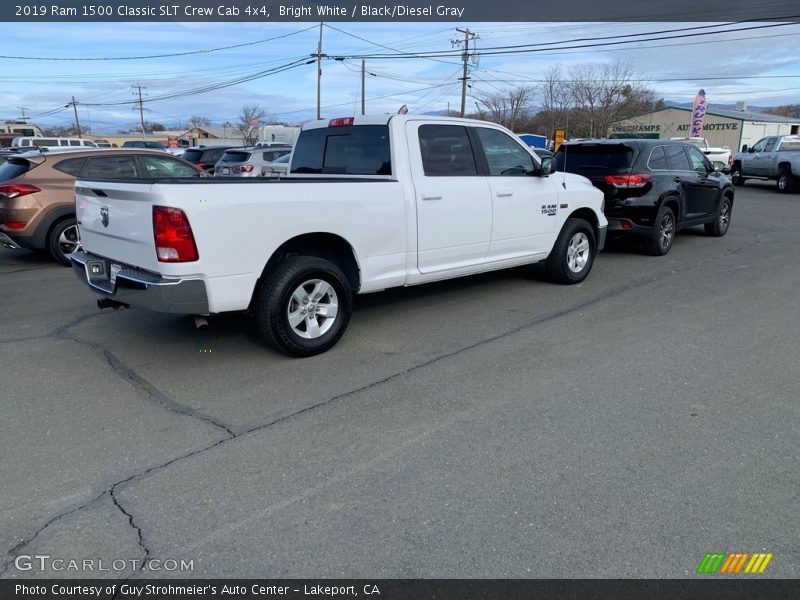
x=505 y=156
x=759 y=145
x=698 y=160
x=446 y=151
x=770 y=146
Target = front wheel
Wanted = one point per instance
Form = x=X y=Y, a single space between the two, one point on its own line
x=304 y=306
x=736 y=174
x=719 y=226
x=785 y=182
x=63 y=240
x=573 y=254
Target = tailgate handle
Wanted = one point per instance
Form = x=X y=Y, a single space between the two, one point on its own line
x=100 y=193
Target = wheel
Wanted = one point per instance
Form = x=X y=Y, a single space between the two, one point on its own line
x=785 y=182
x=736 y=174
x=664 y=232
x=573 y=253
x=63 y=240
x=719 y=226
x=303 y=307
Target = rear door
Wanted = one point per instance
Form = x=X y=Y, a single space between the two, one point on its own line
x=454 y=204
x=705 y=193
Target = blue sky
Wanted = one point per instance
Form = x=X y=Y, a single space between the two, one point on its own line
x=742 y=60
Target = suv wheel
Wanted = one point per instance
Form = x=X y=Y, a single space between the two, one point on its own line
x=572 y=256
x=63 y=240
x=663 y=233
x=785 y=182
x=719 y=226
x=304 y=305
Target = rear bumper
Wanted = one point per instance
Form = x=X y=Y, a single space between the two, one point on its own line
x=629 y=227
x=136 y=287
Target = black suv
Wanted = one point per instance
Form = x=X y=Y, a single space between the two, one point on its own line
x=205 y=157
x=653 y=188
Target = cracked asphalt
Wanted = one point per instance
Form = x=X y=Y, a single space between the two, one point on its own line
x=495 y=426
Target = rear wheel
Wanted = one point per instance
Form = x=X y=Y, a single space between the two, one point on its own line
x=663 y=233
x=785 y=182
x=573 y=254
x=736 y=174
x=303 y=307
x=719 y=226
x=63 y=240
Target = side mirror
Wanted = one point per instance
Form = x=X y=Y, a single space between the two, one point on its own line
x=547 y=167
x=719 y=166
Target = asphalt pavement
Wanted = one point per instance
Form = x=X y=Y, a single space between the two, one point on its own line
x=496 y=426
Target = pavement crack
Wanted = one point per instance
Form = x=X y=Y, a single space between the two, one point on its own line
x=132 y=523
x=23 y=543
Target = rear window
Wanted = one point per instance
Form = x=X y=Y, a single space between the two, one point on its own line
x=588 y=159
x=792 y=145
x=236 y=157
x=351 y=150
x=71 y=166
x=193 y=156
x=14 y=167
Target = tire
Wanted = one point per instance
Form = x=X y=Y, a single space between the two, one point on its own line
x=736 y=174
x=663 y=232
x=785 y=183
x=719 y=226
x=62 y=240
x=573 y=254
x=287 y=294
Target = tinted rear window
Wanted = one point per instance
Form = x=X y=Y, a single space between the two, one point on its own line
x=236 y=157
x=590 y=159
x=14 y=167
x=71 y=166
x=192 y=155
x=351 y=150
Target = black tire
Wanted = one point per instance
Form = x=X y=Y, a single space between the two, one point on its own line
x=785 y=182
x=62 y=240
x=573 y=254
x=736 y=174
x=719 y=226
x=275 y=301
x=664 y=230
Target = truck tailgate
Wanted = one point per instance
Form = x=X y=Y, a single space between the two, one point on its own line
x=116 y=221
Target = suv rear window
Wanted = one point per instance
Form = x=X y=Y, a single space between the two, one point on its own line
x=236 y=157
x=14 y=167
x=351 y=150
x=593 y=158
x=192 y=156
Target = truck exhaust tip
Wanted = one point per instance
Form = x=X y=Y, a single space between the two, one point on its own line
x=107 y=303
x=200 y=323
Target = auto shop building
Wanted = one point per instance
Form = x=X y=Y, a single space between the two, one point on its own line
x=723 y=128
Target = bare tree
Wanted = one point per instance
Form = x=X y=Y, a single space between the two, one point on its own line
x=247 y=125
x=556 y=98
x=506 y=107
x=197 y=121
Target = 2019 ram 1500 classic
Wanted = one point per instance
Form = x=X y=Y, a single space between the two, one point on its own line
x=370 y=203
x=776 y=157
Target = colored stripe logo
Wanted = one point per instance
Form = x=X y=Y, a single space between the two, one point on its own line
x=733 y=563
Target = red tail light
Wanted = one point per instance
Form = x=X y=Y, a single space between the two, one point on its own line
x=18 y=189
x=730 y=159
x=243 y=169
x=16 y=224
x=634 y=180
x=341 y=122
x=199 y=165
x=173 y=235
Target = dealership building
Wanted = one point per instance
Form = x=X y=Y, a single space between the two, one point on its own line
x=722 y=128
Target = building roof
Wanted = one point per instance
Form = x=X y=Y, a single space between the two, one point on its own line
x=742 y=115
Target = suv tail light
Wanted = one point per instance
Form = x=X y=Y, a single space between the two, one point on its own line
x=730 y=159
x=199 y=165
x=18 y=189
x=173 y=235
x=634 y=180
x=243 y=169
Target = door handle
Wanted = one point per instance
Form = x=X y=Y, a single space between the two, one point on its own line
x=432 y=196
x=677 y=180
x=504 y=194
x=100 y=193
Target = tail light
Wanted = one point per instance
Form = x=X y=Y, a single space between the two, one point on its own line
x=17 y=190
x=173 y=235
x=634 y=180
x=199 y=165
x=243 y=169
x=16 y=224
x=730 y=159
x=341 y=122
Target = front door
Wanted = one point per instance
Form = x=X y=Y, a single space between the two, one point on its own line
x=702 y=194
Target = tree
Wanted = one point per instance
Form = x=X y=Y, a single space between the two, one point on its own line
x=506 y=107
x=197 y=121
x=247 y=125
x=788 y=110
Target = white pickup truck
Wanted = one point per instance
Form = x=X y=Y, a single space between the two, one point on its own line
x=370 y=203
x=723 y=155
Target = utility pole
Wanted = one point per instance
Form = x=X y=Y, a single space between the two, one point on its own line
x=363 y=84
x=77 y=123
x=22 y=110
x=468 y=35
x=140 y=102
x=319 y=71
